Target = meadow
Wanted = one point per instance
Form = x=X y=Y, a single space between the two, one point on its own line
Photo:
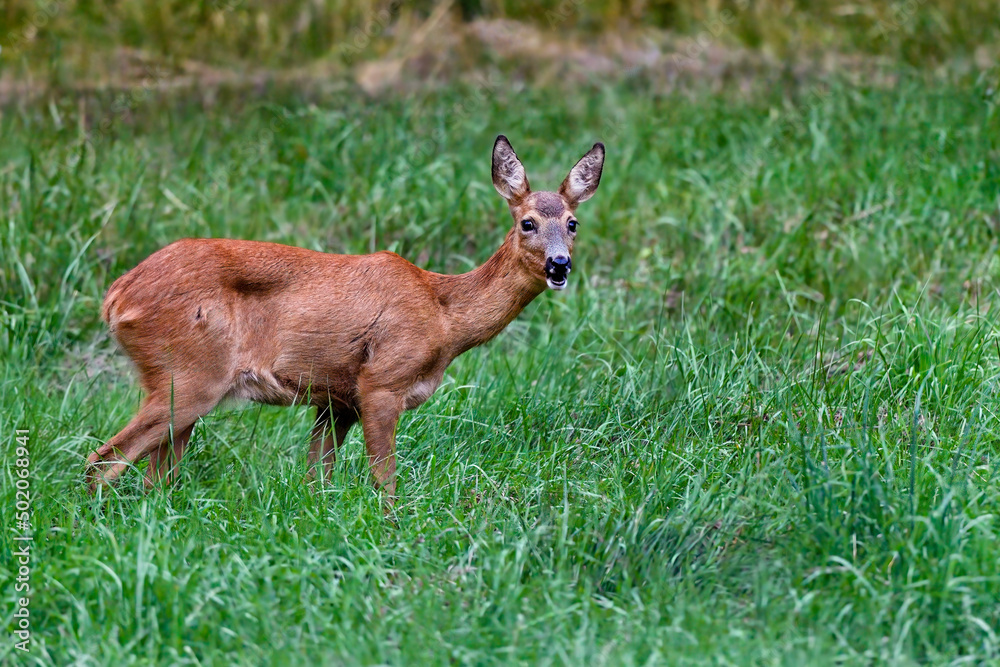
x=758 y=428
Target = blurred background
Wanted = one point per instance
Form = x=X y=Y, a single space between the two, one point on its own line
x=87 y=44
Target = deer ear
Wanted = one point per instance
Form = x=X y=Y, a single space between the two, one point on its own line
x=508 y=173
x=583 y=179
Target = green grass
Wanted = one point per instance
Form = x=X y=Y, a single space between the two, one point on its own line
x=758 y=428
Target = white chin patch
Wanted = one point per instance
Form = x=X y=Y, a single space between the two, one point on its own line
x=554 y=285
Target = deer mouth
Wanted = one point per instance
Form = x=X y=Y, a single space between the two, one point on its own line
x=555 y=283
x=556 y=272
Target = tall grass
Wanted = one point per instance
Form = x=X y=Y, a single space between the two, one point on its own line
x=757 y=429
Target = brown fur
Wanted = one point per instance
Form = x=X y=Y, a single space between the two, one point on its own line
x=547 y=204
x=360 y=337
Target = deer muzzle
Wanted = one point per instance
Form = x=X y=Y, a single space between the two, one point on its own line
x=556 y=270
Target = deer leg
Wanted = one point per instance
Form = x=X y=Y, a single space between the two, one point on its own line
x=320 y=444
x=324 y=444
x=164 y=459
x=341 y=425
x=137 y=439
x=146 y=433
x=380 y=412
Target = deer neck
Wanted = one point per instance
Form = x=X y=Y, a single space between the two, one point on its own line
x=480 y=304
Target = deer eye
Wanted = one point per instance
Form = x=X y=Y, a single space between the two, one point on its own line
x=571 y=225
x=527 y=225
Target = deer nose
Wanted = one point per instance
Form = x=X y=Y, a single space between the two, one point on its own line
x=561 y=263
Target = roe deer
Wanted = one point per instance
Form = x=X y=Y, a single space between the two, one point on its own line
x=358 y=336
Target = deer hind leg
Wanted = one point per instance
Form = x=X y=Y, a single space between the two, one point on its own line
x=164 y=460
x=141 y=434
x=148 y=431
x=328 y=435
x=380 y=412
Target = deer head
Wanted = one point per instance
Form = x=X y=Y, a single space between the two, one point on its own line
x=545 y=223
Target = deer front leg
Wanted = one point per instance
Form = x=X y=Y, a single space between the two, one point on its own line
x=380 y=412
